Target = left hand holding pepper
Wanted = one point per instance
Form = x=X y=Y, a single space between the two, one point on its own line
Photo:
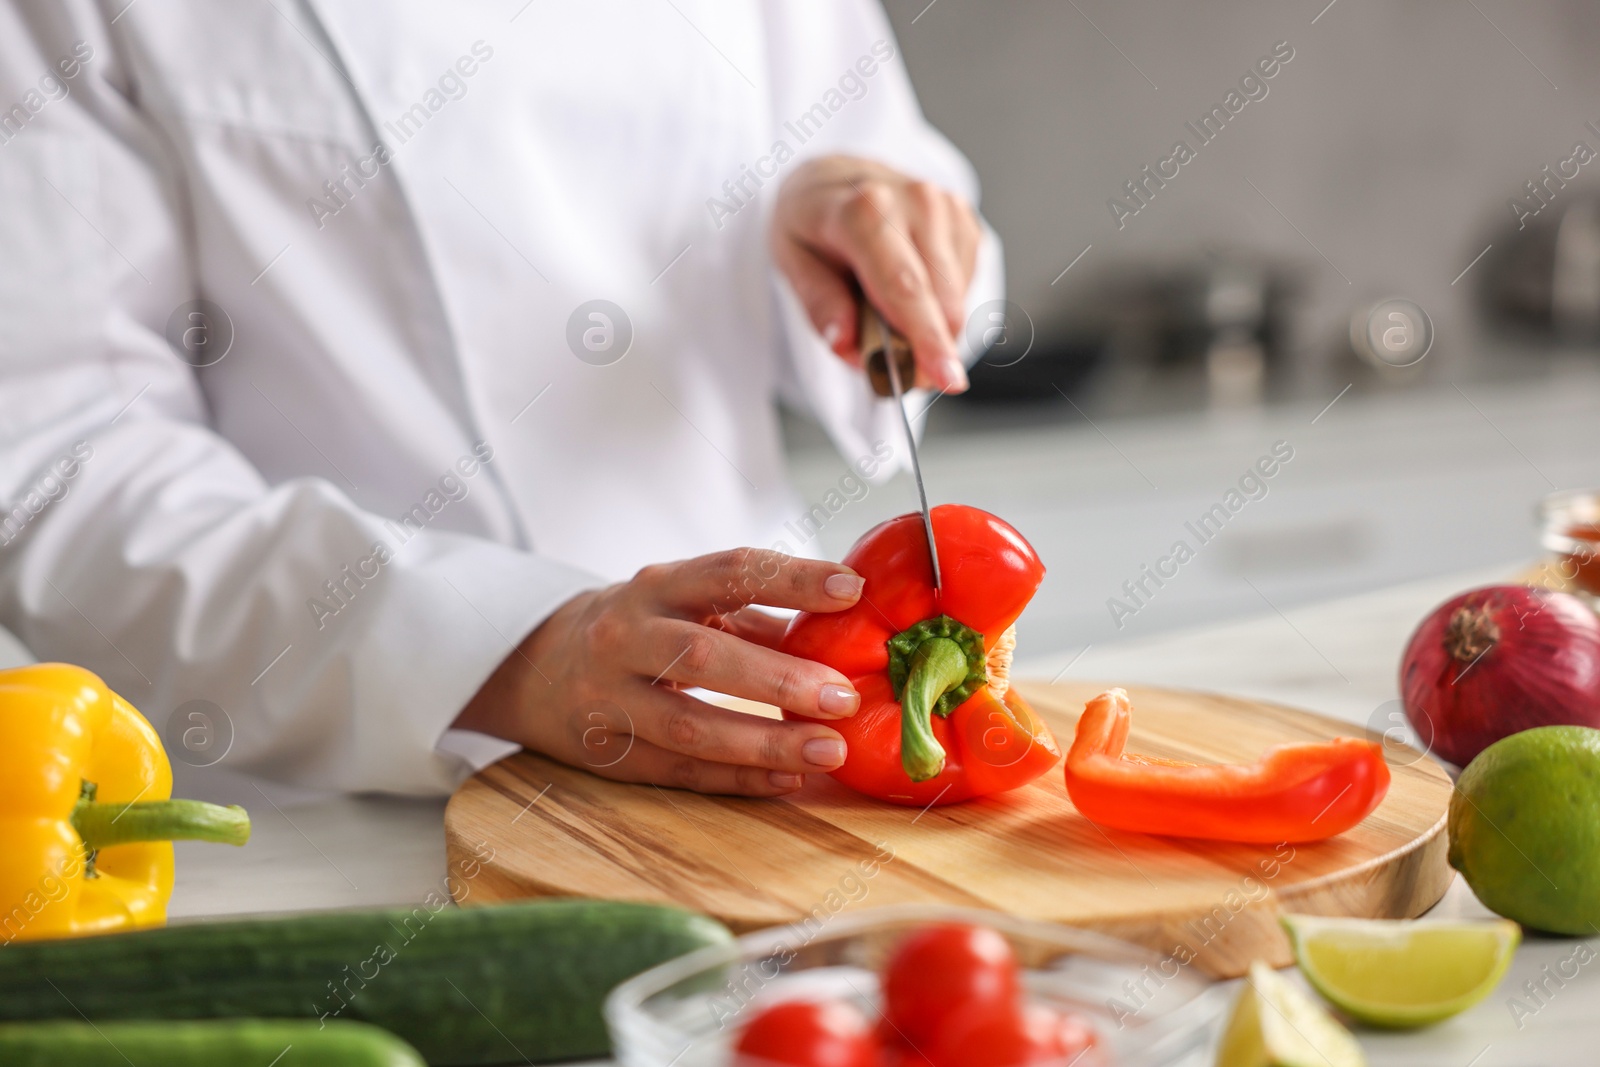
x=598 y=684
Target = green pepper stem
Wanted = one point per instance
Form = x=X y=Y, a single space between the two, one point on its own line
x=938 y=666
x=103 y=824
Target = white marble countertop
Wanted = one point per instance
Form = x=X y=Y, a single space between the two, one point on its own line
x=1339 y=657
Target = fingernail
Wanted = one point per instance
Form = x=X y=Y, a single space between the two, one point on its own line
x=844 y=586
x=838 y=700
x=785 y=780
x=824 y=752
x=830 y=334
x=955 y=375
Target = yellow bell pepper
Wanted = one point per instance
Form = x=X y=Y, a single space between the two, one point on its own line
x=85 y=817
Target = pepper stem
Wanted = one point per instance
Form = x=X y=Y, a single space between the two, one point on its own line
x=934 y=666
x=103 y=824
x=938 y=666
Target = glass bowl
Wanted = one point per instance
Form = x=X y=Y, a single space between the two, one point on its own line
x=1146 y=1010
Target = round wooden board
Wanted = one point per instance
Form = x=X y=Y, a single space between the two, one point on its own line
x=554 y=830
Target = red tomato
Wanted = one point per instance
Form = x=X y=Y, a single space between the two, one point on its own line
x=806 y=1033
x=1015 y=1036
x=892 y=1049
x=940 y=969
x=897 y=1055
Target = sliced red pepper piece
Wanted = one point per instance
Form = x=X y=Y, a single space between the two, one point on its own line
x=1299 y=792
x=938 y=719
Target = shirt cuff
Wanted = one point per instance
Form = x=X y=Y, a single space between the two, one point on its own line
x=474 y=751
x=481 y=600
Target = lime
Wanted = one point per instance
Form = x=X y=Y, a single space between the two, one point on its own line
x=1399 y=974
x=1274 y=1024
x=1525 y=828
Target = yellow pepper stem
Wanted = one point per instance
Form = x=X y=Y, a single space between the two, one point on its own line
x=103 y=824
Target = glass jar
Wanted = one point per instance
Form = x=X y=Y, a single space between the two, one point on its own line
x=1570 y=532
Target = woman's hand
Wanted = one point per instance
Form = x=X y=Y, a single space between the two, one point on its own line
x=911 y=246
x=597 y=684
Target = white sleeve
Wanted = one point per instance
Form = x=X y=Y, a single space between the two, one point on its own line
x=140 y=544
x=819 y=54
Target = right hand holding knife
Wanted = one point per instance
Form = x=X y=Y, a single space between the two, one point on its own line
x=911 y=248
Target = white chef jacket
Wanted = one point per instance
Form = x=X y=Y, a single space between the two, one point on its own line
x=415 y=445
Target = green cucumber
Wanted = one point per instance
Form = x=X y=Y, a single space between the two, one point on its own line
x=504 y=983
x=207 y=1043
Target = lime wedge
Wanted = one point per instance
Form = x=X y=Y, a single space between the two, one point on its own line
x=1274 y=1024
x=1399 y=974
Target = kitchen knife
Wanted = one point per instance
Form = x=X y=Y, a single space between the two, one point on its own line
x=891 y=369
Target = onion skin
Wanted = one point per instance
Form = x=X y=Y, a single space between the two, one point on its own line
x=1499 y=660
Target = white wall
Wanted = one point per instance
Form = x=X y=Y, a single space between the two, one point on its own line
x=1392 y=139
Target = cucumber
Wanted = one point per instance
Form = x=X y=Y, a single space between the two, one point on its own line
x=505 y=983
x=207 y=1043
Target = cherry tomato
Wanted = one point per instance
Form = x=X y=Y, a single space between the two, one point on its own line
x=1015 y=1036
x=900 y=1056
x=944 y=968
x=806 y=1033
x=1074 y=1036
x=892 y=1049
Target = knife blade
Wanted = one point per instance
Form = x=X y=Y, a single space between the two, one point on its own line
x=891 y=368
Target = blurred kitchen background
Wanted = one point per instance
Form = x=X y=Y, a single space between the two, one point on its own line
x=1347 y=240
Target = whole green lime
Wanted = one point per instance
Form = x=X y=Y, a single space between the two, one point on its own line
x=1525 y=828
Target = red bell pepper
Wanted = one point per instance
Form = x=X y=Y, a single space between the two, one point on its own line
x=1300 y=792
x=939 y=721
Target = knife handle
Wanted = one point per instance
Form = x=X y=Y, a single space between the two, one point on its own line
x=878 y=342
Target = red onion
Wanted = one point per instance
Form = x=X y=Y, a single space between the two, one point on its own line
x=1499 y=660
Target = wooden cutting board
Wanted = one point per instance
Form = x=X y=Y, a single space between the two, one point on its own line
x=557 y=831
